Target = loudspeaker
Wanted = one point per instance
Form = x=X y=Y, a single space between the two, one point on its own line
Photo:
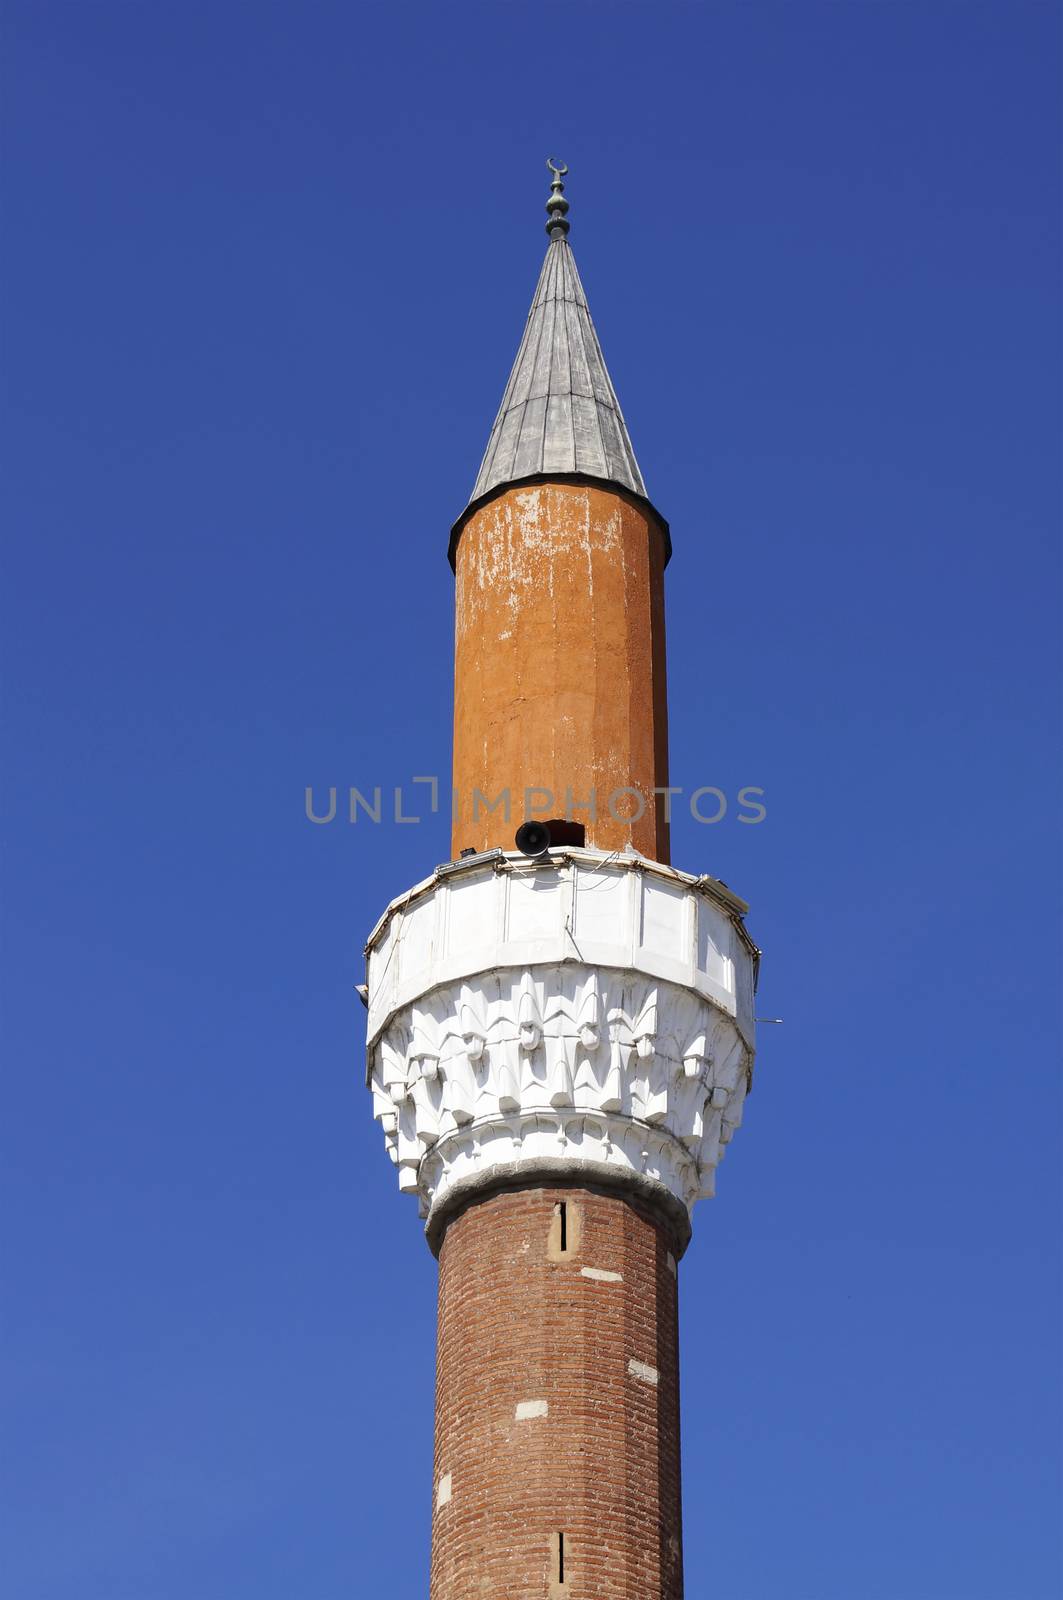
x=533 y=838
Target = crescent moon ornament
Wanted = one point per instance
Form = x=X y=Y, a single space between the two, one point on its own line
x=557 y=205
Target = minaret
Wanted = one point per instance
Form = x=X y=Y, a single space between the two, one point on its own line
x=560 y=1037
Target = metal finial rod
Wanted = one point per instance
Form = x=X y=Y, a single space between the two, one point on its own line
x=557 y=205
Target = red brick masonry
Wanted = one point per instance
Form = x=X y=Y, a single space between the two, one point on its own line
x=557 y=1401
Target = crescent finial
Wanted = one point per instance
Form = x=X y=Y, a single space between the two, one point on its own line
x=557 y=205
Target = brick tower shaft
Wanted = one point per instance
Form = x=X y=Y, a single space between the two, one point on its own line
x=557 y=1405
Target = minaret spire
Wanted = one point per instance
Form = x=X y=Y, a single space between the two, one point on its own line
x=560 y=418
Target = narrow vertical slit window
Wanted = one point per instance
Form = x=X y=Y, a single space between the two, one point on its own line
x=563 y=1216
x=560 y=1558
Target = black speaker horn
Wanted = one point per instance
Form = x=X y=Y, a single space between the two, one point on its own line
x=533 y=838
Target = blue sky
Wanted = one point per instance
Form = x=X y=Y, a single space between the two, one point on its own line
x=267 y=269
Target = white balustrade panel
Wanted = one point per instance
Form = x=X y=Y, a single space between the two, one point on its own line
x=581 y=1009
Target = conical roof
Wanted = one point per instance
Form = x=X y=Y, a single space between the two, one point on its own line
x=559 y=412
x=559 y=416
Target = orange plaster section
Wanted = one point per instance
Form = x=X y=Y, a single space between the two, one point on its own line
x=559 y=675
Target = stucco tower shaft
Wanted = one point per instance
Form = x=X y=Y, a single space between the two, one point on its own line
x=560 y=1034
x=559 y=674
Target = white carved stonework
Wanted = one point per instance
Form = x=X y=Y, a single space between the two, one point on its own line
x=583 y=1011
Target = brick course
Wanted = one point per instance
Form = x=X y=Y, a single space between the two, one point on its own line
x=597 y=1459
